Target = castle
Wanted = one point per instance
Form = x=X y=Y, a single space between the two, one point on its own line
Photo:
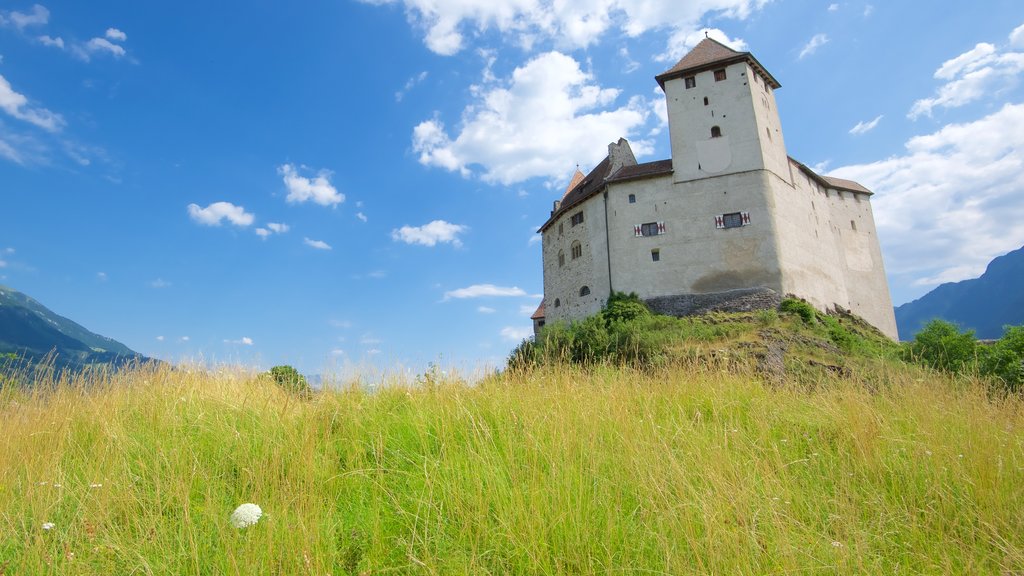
x=729 y=222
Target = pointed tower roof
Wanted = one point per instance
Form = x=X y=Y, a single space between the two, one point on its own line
x=576 y=179
x=710 y=54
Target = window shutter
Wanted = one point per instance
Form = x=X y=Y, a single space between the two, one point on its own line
x=720 y=221
x=637 y=231
x=661 y=227
x=745 y=216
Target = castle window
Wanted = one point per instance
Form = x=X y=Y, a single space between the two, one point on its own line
x=691 y=82
x=716 y=132
x=733 y=220
x=585 y=291
x=560 y=228
x=577 y=218
x=577 y=250
x=768 y=132
x=719 y=75
x=557 y=302
x=706 y=101
x=632 y=198
x=853 y=225
x=656 y=255
x=649 y=229
x=561 y=258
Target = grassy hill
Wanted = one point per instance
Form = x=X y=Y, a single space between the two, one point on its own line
x=704 y=462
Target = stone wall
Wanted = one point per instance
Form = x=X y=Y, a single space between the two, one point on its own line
x=740 y=300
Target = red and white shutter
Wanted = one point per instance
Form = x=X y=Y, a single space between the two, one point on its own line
x=661 y=227
x=637 y=231
x=720 y=221
x=745 y=218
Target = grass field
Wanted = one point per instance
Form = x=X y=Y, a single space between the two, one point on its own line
x=687 y=469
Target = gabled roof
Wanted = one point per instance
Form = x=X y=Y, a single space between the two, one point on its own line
x=831 y=181
x=595 y=181
x=713 y=54
x=576 y=179
x=539 y=313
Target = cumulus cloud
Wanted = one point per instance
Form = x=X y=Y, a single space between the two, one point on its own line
x=39 y=16
x=217 y=212
x=436 y=232
x=865 y=127
x=159 y=338
x=482 y=290
x=318 y=244
x=833 y=7
x=951 y=202
x=1017 y=37
x=545 y=118
x=681 y=41
x=272 y=228
x=516 y=333
x=53 y=42
x=816 y=41
x=362 y=217
x=317 y=189
x=981 y=71
x=244 y=341
x=573 y=25
x=116 y=35
x=17 y=106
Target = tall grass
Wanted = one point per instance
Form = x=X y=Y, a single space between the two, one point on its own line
x=557 y=471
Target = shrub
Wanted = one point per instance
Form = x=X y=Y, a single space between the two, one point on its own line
x=290 y=380
x=622 y=307
x=1005 y=359
x=799 y=307
x=942 y=346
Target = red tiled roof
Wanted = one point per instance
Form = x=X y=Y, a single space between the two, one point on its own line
x=656 y=168
x=576 y=179
x=711 y=54
x=539 y=313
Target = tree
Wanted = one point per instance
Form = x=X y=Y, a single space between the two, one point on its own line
x=942 y=346
x=291 y=381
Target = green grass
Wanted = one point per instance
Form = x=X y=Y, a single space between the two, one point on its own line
x=683 y=469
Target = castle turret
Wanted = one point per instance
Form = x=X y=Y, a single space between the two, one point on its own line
x=721 y=114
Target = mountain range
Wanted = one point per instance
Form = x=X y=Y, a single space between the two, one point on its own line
x=985 y=304
x=34 y=333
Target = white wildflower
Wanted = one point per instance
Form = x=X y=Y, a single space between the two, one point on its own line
x=95 y=485
x=246 y=515
x=48 y=525
x=837 y=544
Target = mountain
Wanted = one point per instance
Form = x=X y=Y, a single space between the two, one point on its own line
x=984 y=304
x=32 y=331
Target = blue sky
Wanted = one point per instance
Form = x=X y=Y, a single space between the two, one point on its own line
x=338 y=184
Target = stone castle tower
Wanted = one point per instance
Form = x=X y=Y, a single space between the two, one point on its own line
x=729 y=222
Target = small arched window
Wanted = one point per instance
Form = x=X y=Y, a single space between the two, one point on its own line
x=706 y=102
x=557 y=302
x=561 y=258
x=585 y=291
x=716 y=132
x=577 y=250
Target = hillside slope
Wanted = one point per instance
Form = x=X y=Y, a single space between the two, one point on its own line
x=983 y=304
x=34 y=332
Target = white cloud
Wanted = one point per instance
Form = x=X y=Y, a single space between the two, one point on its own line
x=102 y=45
x=869 y=10
x=482 y=290
x=159 y=338
x=160 y=283
x=833 y=7
x=369 y=340
x=516 y=333
x=215 y=213
x=39 y=16
x=682 y=40
x=865 y=127
x=101 y=276
x=546 y=118
x=572 y=25
x=409 y=85
x=185 y=338
x=816 y=41
x=981 y=71
x=361 y=216
x=951 y=202
x=8 y=151
x=318 y=188
x=116 y=35
x=54 y=42
x=272 y=228
x=16 y=105
x=3 y=263
x=244 y=341
x=485 y=310
x=318 y=244
x=527 y=310
x=1017 y=37
x=436 y=232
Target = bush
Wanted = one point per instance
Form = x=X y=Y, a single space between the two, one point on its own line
x=942 y=346
x=290 y=380
x=622 y=307
x=801 y=308
x=1005 y=359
